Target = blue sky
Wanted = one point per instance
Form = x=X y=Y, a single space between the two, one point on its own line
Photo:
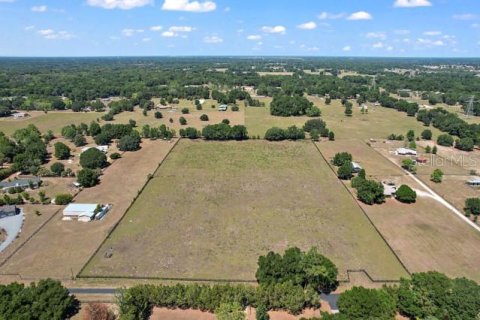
x=397 y=28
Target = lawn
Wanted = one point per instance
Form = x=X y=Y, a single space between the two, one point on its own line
x=425 y=235
x=53 y=120
x=213 y=208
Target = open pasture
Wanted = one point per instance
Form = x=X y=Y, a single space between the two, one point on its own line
x=213 y=208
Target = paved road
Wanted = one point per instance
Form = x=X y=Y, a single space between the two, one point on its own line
x=331 y=299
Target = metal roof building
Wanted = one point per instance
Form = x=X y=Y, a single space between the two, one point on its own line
x=80 y=211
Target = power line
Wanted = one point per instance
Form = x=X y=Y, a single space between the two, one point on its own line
x=469 y=108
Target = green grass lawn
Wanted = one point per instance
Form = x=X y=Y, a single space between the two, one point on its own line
x=213 y=208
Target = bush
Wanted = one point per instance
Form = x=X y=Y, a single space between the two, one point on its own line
x=361 y=303
x=437 y=176
x=275 y=134
x=190 y=133
x=465 y=144
x=57 y=168
x=345 y=171
x=340 y=158
x=185 y=111
x=79 y=140
x=235 y=108
x=313 y=112
x=261 y=313
x=445 y=140
x=87 y=178
x=115 y=156
x=182 y=121
x=102 y=139
x=427 y=134
x=226 y=121
x=370 y=192
x=62 y=151
x=63 y=199
x=331 y=136
x=409 y=165
x=93 y=159
x=230 y=311
x=315 y=135
x=130 y=142
x=158 y=115
x=406 y=194
x=472 y=206
x=312 y=124
x=204 y=117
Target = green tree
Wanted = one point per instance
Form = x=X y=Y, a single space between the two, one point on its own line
x=62 y=151
x=410 y=135
x=361 y=303
x=93 y=159
x=63 y=199
x=204 y=117
x=129 y=142
x=370 y=192
x=434 y=150
x=261 y=313
x=57 y=168
x=437 y=176
x=185 y=111
x=405 y=194
x=230 y=311
x=340 y=158
x=345 y=171
x=445 y=140
x=87 y=178
x=158 y=115
x=472 y=206
x=79 y=140
x=427 y=134
x=428 y=149
x=331 y=136
x=312 y=124
x=182 y=121
x=465 y=144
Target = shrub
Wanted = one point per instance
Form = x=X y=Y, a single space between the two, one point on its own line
x=93 y=159
x=437 y=176
x=158 y=115
x=472 y=206
x=87 y=178
x=340 y=158
x=361 y=303
x=115 y=156
x=312 y=124
x=445 y=140
x=204 y=117
x=434 y=150
x=235 y=108
x=428 y=149
x=62 y=151
x=226 y=121
x=190 y=133
x=261 y=313
x=79 y=140
x=331 y=136
x=315 y=135
x=410 y=135
x=230 y=311
x=63 y=199
x=409 y=165
x=185 y=111
x=345 y=171
x=275 y=134
x=57 y=168
x=182 y=121
x=102 y=138
x=427 y=134
x=465 y=144
x=313 y=112
x=406 y=194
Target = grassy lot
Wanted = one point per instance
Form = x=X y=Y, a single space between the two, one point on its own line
x=61 y=248
x=425 y=235
x=213 y=208
x=53 y=120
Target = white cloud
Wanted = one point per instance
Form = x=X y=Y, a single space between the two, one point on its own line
x=307 y=25
x=51 y=34
x=28 y=28
x=119 y=4
x=432 y=33
x=212 y=39
x=389 y=48
x=275 y=29
x=475 y=25
x=378 y=45
x=146 y=39
x=227 y=9
x=376 y=35
x=330 y=16
x=254 y=37
x=190 y=6
x=156 y=28
x=401 y=31
x=464 y=16
x=8 y=0
x=360 y=15
x=412 y=3
x=347 y=48
x=130 y=32
x=39 y=8
x=175 y=31
x=430 y=42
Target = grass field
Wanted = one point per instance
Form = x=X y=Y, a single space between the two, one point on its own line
x=52 y=120
x=425 y=235
x=213 y=208
x=61 y=248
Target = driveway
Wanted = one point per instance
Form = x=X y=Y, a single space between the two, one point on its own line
x=13 y=226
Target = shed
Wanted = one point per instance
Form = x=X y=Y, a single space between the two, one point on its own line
x=80 y=211
x=405 y=152
x=104 y=149
x=8 y=211
x=222 y=107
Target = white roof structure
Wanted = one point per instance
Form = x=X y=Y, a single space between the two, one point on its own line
x=389 y=190
x=405 y=151
x=79 y=211
x=101 y=148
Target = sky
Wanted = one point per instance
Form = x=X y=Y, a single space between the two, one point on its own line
x=387 y=28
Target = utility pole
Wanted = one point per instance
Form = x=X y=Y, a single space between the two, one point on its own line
x=469 y=108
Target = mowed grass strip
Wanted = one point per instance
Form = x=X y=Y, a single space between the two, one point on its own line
x=213 y=208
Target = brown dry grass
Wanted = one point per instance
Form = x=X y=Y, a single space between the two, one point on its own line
x=213 y=208
x=61 y=248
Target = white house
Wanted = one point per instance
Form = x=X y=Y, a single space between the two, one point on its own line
x=79 y=211
x=405 y=152
x=104 y=149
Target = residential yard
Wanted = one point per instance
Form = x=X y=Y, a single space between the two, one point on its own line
x=213 y=208
x=53 y=120
x=61 y=248
x=425 y=235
